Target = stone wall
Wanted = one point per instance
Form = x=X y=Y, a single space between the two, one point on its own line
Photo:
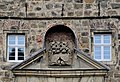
x=54 y=8
x=84 y=28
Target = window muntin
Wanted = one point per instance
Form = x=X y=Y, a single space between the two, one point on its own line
x=102 y=47
x=16 y=48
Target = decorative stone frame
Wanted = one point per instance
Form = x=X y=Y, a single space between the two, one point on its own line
x=63 y=28
x=5 y=33
x=92 y=32
x=76 y=42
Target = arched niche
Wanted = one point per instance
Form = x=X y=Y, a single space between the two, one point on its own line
x=60 y=33
x=60 y=42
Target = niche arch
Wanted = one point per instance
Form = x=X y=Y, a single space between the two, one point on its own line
x=60 y=42
x=60 y=33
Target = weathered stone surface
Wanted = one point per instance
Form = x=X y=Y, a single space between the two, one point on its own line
x=117 y=0
x=57 y=79
x=54 y=13
x=68 y=0
x=112 y=12
x=85 y=40
x=78 y=6
x=69 y=6
x=104 y=4
x=32 y=14
x=39 y=38
x=58 y=6
x=70 y=14
x=85 y=23
x=102 y=0
x=58 y=0
x=37 y=8
x=22 y=0
x=84 y=34
x=78 y=13
x=21 y=14
x=83 y=28
x=49 y=6
x=6 y=79
x=78 y=1
x=88 y=6
x=46 y=0
x=115 y=5
x=10 y=13
x=3 y=7
x=87 y=13
x=42 y=24
x=33 y=26
x=89 y=1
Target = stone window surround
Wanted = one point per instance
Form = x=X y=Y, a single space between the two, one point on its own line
x=6 y=33
x=102 y=45
x=92 y=32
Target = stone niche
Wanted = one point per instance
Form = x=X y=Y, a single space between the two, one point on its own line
x=60 y=44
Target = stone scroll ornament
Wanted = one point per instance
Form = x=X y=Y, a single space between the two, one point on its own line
x=59 y=54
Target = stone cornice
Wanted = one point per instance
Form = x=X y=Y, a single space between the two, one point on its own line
x=60 y=73
x=57 y=18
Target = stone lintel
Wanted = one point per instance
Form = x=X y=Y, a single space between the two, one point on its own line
x=61 y=73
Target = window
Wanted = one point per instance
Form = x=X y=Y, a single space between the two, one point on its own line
x=16 y=48
x=102 y=47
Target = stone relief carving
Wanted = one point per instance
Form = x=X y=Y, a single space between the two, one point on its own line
x=59 y=53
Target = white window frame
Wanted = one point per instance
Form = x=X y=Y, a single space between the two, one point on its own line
x=16 y=46
x=102 y=45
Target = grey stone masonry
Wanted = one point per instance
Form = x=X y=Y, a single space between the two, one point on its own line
x=53 y=8
x=36 y=29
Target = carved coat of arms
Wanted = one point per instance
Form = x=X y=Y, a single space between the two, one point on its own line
x=59 y=54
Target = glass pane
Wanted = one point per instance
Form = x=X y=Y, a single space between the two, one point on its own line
x=11 y=53
x=20 y=58
x=107 y=52
x=97 y=38
x=20 y=52
x=107 y=38
x=11 y=39
x=21 y=39
x=97 y=52
x=11 y=58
